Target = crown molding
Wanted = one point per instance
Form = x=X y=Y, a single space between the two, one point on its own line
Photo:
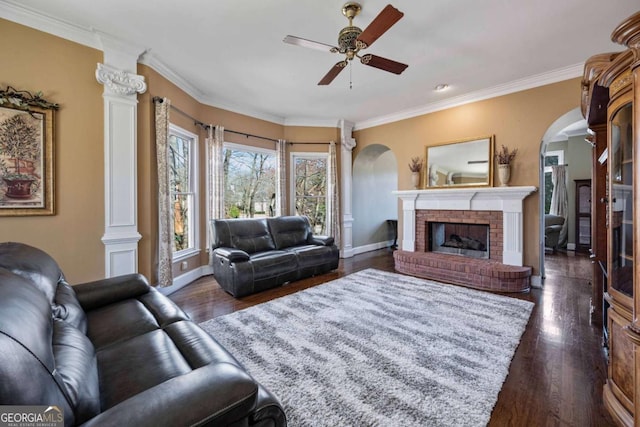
x=16 y=12
x=152 y=61
x=537 y=80
x=256 y=114
x=320 y=123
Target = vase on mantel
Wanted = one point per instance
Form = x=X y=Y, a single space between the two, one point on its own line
x=415 y=179
x=504 y=174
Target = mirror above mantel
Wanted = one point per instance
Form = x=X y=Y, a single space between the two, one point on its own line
x=462 y=163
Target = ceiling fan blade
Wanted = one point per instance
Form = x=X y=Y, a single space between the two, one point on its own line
x=333 y=72
x=385 y=20
x=298 y=41
x=383 y=63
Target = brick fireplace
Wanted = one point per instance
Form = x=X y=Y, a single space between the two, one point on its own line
x=497 y=208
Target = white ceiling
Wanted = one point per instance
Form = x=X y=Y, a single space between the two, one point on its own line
x=230 y=53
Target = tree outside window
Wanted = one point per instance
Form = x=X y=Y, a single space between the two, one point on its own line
x=310 y=178
x=249 y=182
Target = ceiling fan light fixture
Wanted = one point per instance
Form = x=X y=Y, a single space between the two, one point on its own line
x=441 y=87
x=352 y=40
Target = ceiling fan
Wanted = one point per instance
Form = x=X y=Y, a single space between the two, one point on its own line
x=351 y=40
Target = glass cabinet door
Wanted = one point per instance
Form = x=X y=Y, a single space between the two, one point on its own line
x=621 y=205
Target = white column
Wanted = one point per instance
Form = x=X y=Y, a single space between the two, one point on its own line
x=512 y=229
x=408 y=224
x=347 y=144
x=121 y=86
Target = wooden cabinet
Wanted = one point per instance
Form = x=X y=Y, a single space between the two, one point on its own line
x=613 y=80
x=583 y=215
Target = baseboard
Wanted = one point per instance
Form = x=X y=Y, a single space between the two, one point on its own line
x=186 y=278
x=371 y=247
x=571 y=246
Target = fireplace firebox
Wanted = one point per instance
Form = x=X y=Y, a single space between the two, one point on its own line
x=470 y=240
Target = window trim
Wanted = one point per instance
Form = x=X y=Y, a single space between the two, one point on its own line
x=194 y=230
x=292 y=174
x=555 y=153
x=248 y=148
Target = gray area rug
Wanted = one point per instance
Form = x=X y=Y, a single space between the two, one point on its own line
x=379 y=349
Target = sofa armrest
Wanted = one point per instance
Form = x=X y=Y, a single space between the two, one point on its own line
x=233 y=255
x=217 y=394
x=103 y=292
x=321 y=240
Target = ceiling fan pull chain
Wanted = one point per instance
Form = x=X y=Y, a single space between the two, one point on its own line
x=350 y=79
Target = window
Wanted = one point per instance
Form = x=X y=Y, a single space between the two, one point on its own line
x=249 y=181
x=182 y=165
x=309 y=180
x=551 y=158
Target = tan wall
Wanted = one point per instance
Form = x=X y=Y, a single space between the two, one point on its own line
x=518 y=120
x=65 y=73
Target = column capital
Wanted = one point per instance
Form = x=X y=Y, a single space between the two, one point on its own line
x=346 y=135
x=119 y=82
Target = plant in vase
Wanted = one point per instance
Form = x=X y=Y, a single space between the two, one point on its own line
x=19 y=147
x=504 y=157
x=415 y=167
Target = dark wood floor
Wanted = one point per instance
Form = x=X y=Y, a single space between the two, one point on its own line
x=557 y=373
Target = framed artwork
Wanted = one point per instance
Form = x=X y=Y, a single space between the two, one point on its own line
x=26 y=158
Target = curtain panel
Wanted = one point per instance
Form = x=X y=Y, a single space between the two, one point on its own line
x=165 y=222
x=333 y=199
x=281 y=177
x=560 y=200
x=215 y=171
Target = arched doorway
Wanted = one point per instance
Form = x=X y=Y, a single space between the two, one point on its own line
x=375 y=176
x=564 y=140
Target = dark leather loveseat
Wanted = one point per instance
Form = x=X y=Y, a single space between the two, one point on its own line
x=251 y=255
x=115 y=352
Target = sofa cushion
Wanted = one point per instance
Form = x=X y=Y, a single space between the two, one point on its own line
x=312 y=255
x=26 y=357
x=132 y=366
x=66 y=307
x=33 y=264
x=289 y=231
x=249 y=235
x=552 y=220
x=76 y=369
x=267 y=265
x=119 y=322
x=131 y=317
x=196 y=346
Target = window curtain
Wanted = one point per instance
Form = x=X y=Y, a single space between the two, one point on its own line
x=333 y=199
x=165 y=223
x=281 y=178
x=215 y=171
x=560 y=200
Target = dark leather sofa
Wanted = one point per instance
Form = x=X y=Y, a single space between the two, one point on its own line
x=115 y=352
x=251 y=255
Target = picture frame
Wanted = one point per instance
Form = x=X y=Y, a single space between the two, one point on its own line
x=26 y=159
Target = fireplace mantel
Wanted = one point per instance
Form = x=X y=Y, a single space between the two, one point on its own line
x=508 y=200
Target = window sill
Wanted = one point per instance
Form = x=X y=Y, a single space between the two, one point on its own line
x=187 y=253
